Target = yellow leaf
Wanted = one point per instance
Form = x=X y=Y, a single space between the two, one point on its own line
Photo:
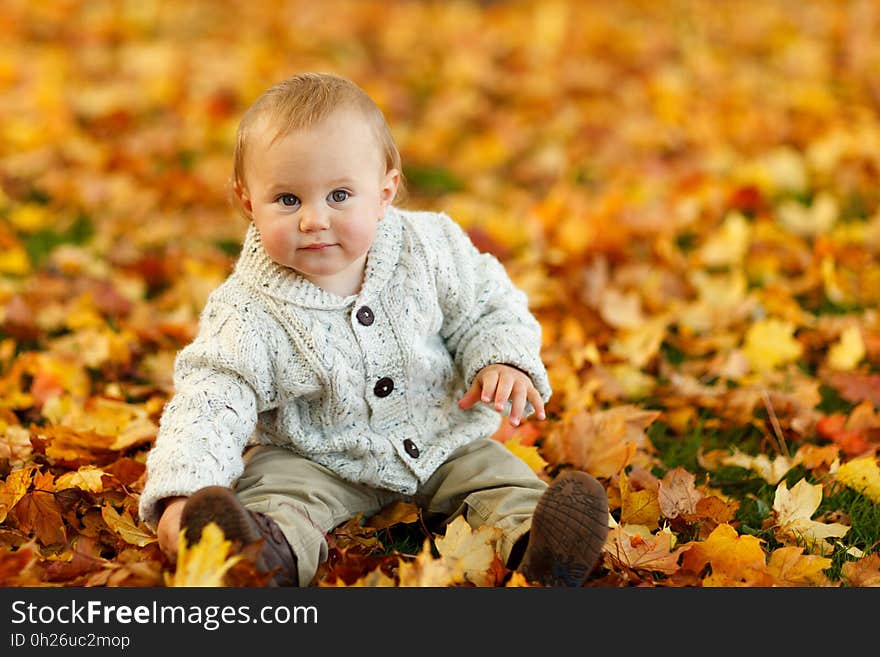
x=735 y=560
x=88 y=477
x=471 y=556
x=13 y=489
x=638 y=507
x=426 y=571
x=847 y=352
x=794 y=508
x=790 y=567
x=206 y=562
x=126 y=527
x=862 y=475
x=529 y=454
x=770 y=343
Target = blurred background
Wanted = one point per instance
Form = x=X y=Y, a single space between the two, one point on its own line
x=688 y=191
x=574 y=139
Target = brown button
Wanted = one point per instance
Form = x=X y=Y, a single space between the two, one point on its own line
x=411 y=448
x=383 y=387
x=365 y=315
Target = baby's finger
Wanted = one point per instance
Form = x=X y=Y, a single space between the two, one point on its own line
x=535 y=397
x=490 y=382
x=502 y=392
x=518 y=405
x=471 y=396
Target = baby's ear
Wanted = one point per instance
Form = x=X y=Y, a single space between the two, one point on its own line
x=243 y=198
x=389 y=188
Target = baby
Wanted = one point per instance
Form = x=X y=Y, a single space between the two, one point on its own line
x=358 y=354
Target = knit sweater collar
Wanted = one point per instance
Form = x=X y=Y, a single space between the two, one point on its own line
x=257 y=269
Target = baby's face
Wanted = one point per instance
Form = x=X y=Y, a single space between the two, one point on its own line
x=317 y=195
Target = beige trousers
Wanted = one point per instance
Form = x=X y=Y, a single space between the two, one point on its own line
x=483 y=480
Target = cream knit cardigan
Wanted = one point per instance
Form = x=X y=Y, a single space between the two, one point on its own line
x=278 y=360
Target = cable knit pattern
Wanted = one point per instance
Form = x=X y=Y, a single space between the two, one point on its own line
x=279 y=360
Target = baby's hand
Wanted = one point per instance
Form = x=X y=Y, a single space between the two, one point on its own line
x=500 y=383
x=168 y=530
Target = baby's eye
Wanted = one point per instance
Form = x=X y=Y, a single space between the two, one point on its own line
x=339 y=195
x=288 y=200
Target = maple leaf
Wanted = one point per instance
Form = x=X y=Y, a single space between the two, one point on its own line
x=638 y=507
x=426 y=571
x=790 y=567
x=677 y=494
x=529 y=454
x=205 y=563
x=472 y=556
x=38 y=512
x=862 y=572
x=794 y=508
x=734 y=560
x=602 y=442
x=87 y=477
x=655 y=553
x=13 y=488
x=125 y=526
x=862 y=475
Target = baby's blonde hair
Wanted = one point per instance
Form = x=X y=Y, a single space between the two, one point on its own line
x=304 y=100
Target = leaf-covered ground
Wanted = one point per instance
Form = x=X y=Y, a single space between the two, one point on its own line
x=688 y=191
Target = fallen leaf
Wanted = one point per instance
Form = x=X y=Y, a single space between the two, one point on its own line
x=204 y=564
x=125 y=526
x=794 y=509
x=862 y=475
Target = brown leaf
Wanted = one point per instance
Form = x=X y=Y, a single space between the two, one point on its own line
x=38 y=512
x=677 y=494
x=602 y=442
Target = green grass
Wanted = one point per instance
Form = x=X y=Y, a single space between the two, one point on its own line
x=756 y=496
x=41 y=243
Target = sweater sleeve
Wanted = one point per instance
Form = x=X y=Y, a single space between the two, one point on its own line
x=486 y=317
x=218 y=379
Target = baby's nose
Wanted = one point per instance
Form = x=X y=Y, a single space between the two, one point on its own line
x=312 y=219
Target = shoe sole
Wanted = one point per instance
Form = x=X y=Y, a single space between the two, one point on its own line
x=569 y=529
x=219 y=505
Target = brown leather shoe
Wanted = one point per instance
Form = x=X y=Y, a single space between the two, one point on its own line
x=569 y=528
x=220 y=505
